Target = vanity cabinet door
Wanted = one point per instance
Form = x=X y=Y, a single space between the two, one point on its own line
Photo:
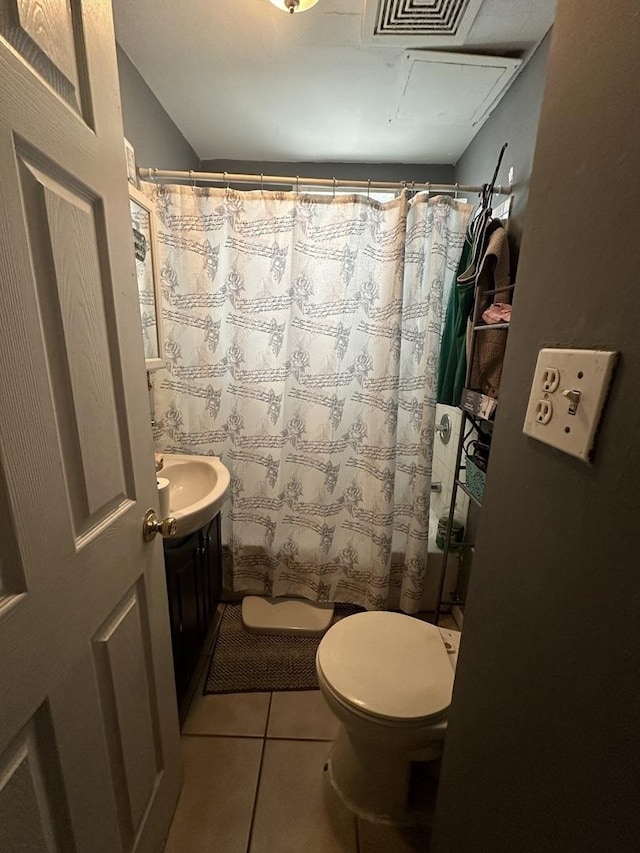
x=193 y=585
x=211 y=571
x=182 y=560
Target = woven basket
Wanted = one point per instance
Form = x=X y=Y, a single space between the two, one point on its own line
x=475 y=480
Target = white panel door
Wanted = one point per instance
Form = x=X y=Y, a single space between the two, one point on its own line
x=89 y=743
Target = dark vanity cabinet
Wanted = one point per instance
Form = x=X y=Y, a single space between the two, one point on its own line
x=193 y=570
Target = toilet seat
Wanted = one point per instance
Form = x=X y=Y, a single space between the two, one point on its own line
x=388 y=666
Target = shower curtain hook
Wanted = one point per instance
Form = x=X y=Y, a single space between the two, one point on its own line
x=334 y=187
x=261 y=182
x=193 y=180
x=155 y=174
x=297 y=184
x=456 y=192
x=413 y=187
x=224 y=178
x=368 y=187
x=428 y=186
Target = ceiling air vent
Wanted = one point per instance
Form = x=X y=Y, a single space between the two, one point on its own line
x=419 y=23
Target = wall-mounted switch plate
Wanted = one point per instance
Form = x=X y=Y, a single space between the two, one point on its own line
x=568 y=393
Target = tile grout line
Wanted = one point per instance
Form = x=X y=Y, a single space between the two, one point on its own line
x=255 y=799
x=258 y=737
x=266 y=722
x=223 y=735
x=303 y=739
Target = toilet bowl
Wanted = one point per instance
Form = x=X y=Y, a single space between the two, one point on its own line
x=388 y=679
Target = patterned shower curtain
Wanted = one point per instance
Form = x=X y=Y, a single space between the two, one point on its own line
x=301 y=346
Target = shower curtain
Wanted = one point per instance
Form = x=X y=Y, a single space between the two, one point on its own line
x=302 y=335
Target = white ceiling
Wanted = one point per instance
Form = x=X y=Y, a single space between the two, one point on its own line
x=244 y=81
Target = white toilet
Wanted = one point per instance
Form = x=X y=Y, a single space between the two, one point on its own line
x=388 y=678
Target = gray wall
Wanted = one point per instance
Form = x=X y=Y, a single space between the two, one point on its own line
x=341 y=171
x=542 y=750
x=156 y=139
x=515 y=120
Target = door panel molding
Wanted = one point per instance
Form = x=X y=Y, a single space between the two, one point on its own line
x=64 y=233
x=48 y=36
x=124 y=675
x=12 y=579
x=34 y=810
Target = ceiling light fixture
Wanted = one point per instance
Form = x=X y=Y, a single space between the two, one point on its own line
x=292 y=6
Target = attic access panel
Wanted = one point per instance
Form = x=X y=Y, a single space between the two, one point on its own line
x=418 y=23
x=452 y=88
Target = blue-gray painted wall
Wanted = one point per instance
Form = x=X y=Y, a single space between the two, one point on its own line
x=514 y=120
x=155 y=137
x=541 y=753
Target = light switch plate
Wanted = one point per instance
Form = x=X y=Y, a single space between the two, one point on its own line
x=568 y=393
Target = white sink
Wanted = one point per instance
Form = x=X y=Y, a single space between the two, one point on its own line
x=199 y=485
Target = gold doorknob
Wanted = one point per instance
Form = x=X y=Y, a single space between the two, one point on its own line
x=152 y=525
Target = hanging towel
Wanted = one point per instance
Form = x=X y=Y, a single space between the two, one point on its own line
x=497 y=312
x=453 y=360
x=486 y=368
x=452 y=370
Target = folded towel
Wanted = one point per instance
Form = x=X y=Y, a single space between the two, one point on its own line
x=498 y=312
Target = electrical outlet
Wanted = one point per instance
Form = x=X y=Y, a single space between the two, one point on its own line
x=550 y=379
x=544 y=411
x=568 y=393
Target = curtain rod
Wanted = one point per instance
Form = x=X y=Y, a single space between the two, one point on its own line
x=151 y=174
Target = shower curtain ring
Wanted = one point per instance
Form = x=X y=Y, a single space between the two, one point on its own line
x=334 y=187
x=155 y=174
x=368 y=187
x=224 y=177
x=297 y=184
x=261 y=182
x=428 y=187
x=456 y=192
x=193 y=180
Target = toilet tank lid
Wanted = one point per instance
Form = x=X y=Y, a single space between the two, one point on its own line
x=388 y=664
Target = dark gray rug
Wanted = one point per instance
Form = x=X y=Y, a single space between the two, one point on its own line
x=243 y=662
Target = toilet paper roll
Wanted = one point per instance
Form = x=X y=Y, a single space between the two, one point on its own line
x=164 y=490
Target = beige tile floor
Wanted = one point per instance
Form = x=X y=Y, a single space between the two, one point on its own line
x=254 y=781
